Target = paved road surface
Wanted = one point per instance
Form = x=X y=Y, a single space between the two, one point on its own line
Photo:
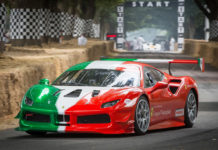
x=203 y=136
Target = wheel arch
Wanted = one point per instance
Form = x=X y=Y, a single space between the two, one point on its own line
x=146 y=96
x=196 y=95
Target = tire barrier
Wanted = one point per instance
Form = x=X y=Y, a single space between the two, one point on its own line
x=2 y=26
x=201 y=48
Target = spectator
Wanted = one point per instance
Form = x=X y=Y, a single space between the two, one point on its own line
x=131 y=45
x=61 y=36
x=166 y=45
x=127 y=45
x=7 y=37
x=140 y=41
x=135 y=44
x=82 y=41
x=172 y=44
x=162 y=43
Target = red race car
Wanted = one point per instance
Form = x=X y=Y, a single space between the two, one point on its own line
x=111 y=96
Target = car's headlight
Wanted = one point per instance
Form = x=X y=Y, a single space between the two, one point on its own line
x=109 y=104
x=28 y=101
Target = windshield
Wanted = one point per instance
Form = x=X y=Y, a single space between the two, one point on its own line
x=99 y=77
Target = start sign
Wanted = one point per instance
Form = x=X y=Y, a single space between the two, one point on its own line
x=148 y=4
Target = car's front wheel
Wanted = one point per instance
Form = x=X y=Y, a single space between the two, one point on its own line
x=190 y=109
x=36 y=133
x=142 y=116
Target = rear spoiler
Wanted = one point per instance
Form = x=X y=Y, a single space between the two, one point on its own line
x=199 y=61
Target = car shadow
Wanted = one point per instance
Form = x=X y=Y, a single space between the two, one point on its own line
x=73 y=135
x=165 y=129
x=91 y=135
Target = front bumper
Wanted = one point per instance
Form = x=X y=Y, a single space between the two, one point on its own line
x=121 y=121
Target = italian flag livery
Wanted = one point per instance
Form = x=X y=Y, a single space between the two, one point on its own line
x=110 y=96
x=199 y=61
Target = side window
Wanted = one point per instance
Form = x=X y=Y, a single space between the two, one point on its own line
x=157 y=75
x=148 y=80
x=151 y=76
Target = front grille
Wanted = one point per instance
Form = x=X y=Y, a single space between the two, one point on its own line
x=31 y=116
x=63 y=118
x=103 y=118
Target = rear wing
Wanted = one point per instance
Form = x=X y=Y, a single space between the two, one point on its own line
x=199 y=61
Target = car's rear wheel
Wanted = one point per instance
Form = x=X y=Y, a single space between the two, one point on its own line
x=142 y=116
x=36 y=133
x=190 y=109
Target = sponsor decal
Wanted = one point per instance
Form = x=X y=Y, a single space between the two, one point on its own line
x=179 y=112
x=162 y=112
x=158 y=106
x=152 y=110
x=130 y=103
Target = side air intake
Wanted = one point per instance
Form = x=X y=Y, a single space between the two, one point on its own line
x=175 y=81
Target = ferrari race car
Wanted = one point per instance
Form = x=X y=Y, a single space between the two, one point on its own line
x=111 y=96
x=151 y=46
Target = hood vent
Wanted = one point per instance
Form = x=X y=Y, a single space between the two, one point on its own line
x=75 y=93
x=95 y=93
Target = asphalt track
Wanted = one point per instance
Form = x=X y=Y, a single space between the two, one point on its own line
x=203 y=136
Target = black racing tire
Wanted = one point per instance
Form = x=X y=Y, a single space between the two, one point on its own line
x=190 y=110
x=141 y=113
x=36 y=133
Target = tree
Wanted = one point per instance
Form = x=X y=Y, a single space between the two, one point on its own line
x=194 y=21
x=210 y=10
x=106 y=15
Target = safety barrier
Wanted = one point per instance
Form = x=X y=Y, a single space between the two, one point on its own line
x=201 y=48
x=35 y=24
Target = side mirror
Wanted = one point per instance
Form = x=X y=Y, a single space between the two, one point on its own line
x=159 y=85
x=44 y=81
